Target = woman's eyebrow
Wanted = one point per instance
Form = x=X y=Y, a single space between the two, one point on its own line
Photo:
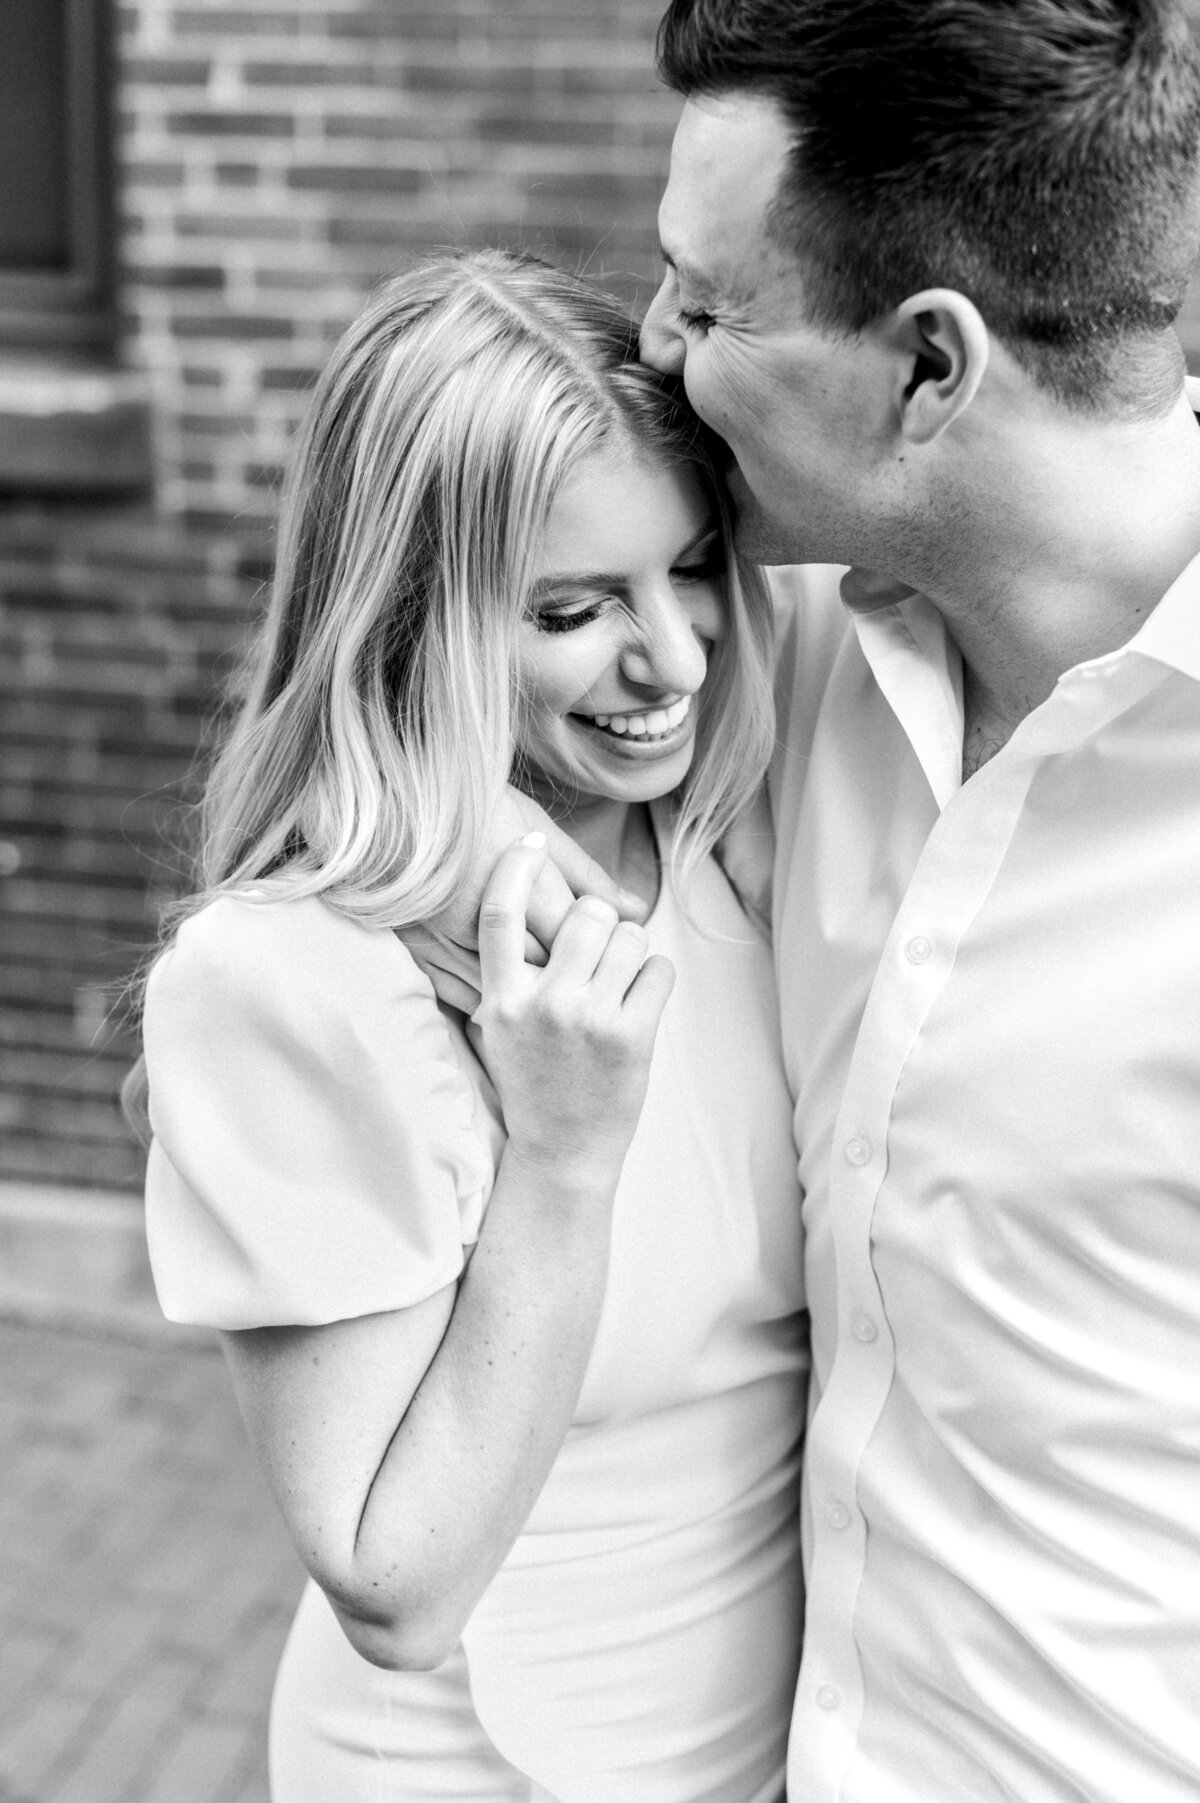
x=578 y=579
x=558 y=580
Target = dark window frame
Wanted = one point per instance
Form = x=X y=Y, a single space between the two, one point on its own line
x=72 y=310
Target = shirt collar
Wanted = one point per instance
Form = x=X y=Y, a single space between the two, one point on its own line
x=1172 y=633
x=918 y=668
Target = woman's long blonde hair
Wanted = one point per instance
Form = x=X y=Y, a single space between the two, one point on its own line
x=379 y=720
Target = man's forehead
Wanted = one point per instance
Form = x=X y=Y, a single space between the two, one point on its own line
x=727 y=160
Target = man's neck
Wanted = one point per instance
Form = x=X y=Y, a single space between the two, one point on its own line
x=1082 y=543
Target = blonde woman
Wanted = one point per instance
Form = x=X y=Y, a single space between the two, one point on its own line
x=523 y=1358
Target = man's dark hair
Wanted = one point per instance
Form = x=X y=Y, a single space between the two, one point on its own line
x=1039 y=156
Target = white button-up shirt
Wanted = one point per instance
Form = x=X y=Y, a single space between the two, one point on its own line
x=991 y=1020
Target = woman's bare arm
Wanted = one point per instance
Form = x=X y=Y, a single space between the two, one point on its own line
x=406 y=1449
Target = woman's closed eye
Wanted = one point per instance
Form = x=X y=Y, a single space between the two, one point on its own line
x=566 y=617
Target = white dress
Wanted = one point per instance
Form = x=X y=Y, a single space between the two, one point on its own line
x=325 y=1142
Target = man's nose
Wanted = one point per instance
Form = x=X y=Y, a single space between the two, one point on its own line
x=662 y=346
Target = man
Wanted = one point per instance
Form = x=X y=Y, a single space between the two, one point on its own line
x=923 y=257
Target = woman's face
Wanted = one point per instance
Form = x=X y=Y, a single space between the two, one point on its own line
x=628 y=600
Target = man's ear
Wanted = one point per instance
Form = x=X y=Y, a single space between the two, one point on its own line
x=943 y=345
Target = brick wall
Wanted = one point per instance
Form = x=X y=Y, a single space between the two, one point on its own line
x=276 y=160
x=114 y=631
x=281 y=158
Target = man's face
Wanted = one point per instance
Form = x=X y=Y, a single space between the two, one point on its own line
x=797 y=406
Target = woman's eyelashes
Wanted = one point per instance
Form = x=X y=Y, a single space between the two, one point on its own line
x=562 y=619
x=709 y=566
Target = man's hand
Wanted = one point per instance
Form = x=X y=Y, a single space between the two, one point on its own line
x=446 y=947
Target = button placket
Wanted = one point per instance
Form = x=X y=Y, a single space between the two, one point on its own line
x=948 y=884
x=860 y=1376
x=863 y=1327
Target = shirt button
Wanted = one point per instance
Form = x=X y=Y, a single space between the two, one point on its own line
x=863 y=1327
x=837 y=1514
x=827 y=1697
x=918 y=950
x=858 y=1150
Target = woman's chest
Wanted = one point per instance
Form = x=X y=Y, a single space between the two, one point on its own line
x=705 y=1273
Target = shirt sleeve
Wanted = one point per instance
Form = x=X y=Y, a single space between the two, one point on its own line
x=315 y=1152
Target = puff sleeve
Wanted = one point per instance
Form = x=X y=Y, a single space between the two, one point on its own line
x=316 y=1153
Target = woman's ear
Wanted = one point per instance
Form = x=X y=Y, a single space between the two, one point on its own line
x=944 y=347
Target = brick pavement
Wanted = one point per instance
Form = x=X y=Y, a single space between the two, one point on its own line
x=146 y=1583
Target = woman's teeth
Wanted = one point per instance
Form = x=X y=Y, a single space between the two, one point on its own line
x=654 y=725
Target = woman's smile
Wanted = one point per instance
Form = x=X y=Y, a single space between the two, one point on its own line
x=627 y=603
x=646 y=732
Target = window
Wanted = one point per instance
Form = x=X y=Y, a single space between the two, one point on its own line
x=55 y=176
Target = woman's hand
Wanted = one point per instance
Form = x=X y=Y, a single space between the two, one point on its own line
x=447 y=946
x=567 y=1044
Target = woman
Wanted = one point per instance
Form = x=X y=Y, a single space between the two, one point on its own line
x=525 y=1372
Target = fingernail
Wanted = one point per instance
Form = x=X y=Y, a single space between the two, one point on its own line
x=535 y=841
x=596 y=906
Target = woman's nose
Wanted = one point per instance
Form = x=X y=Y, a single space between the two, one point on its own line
x=670 y=652
x=662 y=346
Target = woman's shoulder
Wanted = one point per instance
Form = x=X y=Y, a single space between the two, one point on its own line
x=245 y=930
x=317 y=1151
x=267 y=947
x=298 y=977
